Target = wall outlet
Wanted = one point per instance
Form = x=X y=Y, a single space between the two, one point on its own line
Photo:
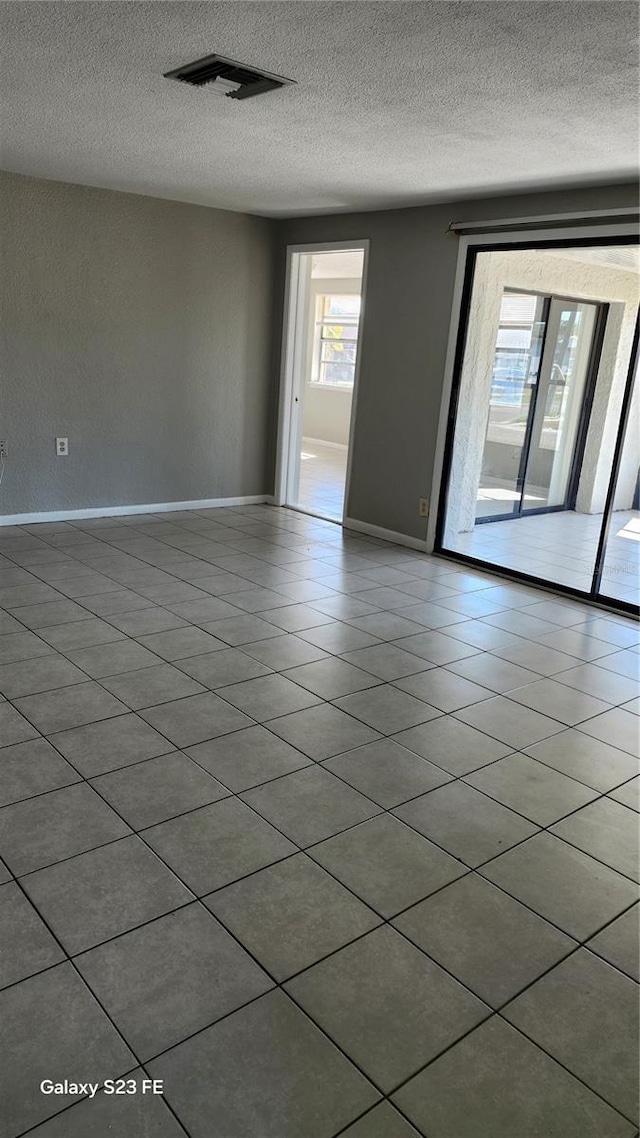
x=423 y=507
x=62 y=446
x=4 y=453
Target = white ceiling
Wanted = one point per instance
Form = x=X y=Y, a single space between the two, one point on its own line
x=625 y=257
x=395 y=103
x=345 y=263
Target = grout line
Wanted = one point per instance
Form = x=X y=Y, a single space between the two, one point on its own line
x=303 y=850
x=69 y=960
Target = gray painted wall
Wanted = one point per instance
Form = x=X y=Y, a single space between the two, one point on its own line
x=409 y=292
x=142 y=330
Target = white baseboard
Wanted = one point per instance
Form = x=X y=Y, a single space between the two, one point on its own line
x=386 y=534
x=324 y=443
x=122 y=511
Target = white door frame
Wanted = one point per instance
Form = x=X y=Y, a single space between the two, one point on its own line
x=512 y=237
x=294 y=299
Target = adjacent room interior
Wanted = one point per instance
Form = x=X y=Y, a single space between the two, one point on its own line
x=322 y=341
x=319 y=562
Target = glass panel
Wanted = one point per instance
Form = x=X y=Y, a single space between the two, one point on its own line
x=621 y=565
x=516 y=363
x=339 y=332
x=338 y=352
x=337 y=373
x=559 y=404
x=336 y=343
x=342 y=306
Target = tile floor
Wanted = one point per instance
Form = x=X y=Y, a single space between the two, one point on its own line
x=323 y=475
x=332 y=837
x=561 y=547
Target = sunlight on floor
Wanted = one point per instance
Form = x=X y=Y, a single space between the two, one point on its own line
x=630 y=531
x=561 y=547
x=323 y=472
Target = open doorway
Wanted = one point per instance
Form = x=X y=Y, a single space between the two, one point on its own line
x=321 y=360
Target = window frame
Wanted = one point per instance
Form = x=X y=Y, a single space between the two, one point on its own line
x=321 y=321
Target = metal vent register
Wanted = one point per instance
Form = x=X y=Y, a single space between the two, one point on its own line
x=228 y=77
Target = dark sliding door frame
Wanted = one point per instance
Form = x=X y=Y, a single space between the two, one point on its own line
x=615 y=467
x=593 y=594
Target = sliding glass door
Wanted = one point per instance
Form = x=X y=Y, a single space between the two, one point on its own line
x=515 y=370
x=559 y=405
x=543 y=358
x=540 y=399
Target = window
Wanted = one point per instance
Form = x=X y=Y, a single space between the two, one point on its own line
x=517 y=348
x=336 y=340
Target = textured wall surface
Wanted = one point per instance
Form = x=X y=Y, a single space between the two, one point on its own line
x=141 y=329
x=409 y=293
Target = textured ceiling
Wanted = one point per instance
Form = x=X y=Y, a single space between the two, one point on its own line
x=395 y=103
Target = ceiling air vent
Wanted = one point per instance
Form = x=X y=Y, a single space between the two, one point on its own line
x=227 y=77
